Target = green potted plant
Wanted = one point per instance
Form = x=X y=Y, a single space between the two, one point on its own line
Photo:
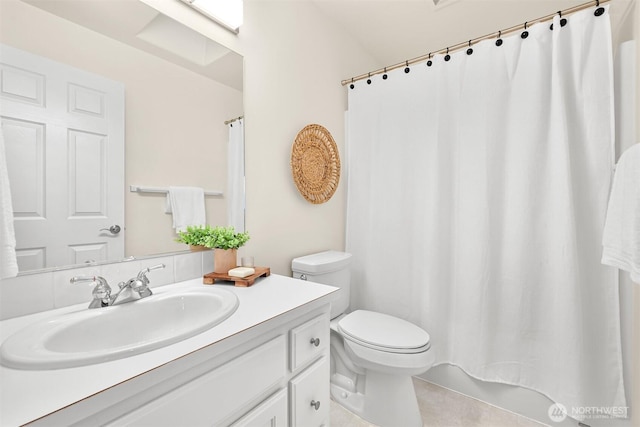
x=224 y=241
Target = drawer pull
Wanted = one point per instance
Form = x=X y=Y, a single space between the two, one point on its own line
x=315 y=341
x=315 y=404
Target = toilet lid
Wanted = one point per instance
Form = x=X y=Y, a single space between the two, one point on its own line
x=382 y=330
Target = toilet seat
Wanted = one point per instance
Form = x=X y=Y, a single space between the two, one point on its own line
x=383 y=332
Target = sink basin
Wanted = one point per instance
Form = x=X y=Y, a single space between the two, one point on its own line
x=99 y=335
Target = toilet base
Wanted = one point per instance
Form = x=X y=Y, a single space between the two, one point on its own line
x=388 y=400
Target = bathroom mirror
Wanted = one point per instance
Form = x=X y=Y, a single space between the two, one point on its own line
x=180 y=87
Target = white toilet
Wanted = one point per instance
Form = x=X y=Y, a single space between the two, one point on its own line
x=373 y=355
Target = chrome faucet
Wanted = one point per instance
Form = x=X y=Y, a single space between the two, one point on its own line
x=101 y=293
x=132 y=290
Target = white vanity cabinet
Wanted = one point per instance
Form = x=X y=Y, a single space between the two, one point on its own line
x=219 y=394
x=275 y=373
x=309 y=363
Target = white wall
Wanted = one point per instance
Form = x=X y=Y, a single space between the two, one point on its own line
x=294 y=62
x=295 y=59
x=175 y=132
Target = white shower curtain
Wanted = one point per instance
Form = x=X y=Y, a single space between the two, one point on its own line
x=235 y=175
x=477 y=191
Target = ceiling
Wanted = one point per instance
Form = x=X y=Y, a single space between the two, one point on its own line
x=393 y=31
x=138 y=25
x=390 y=31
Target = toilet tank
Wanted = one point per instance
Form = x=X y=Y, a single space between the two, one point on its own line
x=329 y=268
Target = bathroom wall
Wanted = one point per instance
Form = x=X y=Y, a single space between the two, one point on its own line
x=295 y=59
x=175 y=132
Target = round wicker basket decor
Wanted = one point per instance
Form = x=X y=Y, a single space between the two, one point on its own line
x=315 y=164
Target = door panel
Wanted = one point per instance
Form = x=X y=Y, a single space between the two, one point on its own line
x=64 y=136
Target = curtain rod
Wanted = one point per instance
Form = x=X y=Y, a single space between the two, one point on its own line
x=468 y=43
x=233 y=120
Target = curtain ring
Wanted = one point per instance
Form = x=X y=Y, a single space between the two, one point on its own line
x=429 y=62
x=384 y=76
x=447 y=57
x=563 y=21
x=352 y=85
x=525 y=33
x=499 y=40
x=469 y=51
x=369 y=79
x=407 y=69
x=600 y=10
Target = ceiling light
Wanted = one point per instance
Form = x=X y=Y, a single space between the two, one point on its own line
x=227 y=13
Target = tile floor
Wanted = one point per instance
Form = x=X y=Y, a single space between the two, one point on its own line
x=441 y=407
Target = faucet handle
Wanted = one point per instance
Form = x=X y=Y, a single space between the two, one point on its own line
x=82 y=279
x=101 y=292
x=155 y=267
x=139 y=284
x=142 y=275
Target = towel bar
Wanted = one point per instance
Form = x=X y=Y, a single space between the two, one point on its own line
x=140 y=189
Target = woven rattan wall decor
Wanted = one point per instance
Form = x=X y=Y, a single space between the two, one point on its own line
x=315 y=164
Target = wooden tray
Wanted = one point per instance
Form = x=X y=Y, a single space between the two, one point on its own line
x=210 y=278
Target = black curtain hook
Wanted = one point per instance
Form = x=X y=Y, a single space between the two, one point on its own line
x=447 y=56
x=600 y=10
x=384 y=76
x=369 y=79
x=469 y=51
x=429 y=62
x=525 y=33
x=563 y=22
x=352 y=85
x=499 y=40
x=407 y=69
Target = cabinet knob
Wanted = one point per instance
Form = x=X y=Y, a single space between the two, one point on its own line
x=315 y=404
x=315 y=341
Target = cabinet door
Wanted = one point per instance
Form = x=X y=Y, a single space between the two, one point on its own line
x=309 y=341
x=309 y=395
x=270 y=413
x=219 y=394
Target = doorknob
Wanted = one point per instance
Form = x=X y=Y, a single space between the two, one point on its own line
x=114 y=229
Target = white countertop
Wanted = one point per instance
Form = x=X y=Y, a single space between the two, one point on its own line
x=26 y=395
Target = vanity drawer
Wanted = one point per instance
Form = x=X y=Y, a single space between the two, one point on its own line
x=272 y=413
x=309 y=395
x=308 y=341
x=219 y=394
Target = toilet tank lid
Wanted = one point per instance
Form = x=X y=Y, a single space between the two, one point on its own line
x=322 y=262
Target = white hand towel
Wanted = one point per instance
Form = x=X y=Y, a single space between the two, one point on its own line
x=621 y=236
x=8 y=261
x=187 y=206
